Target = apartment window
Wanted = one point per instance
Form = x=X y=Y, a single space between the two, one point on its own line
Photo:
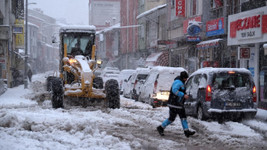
x=172 y=3
x=216 y=3
x=233 y=6
x=193 y=7
x=216 y=8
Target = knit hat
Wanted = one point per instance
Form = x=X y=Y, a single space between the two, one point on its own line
x=183 y=75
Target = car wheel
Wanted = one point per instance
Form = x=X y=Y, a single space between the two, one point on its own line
x=57 y=93
x=151 y=102
x=112 y=93
x=49 y=81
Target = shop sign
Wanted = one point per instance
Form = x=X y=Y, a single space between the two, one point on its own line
x=166 y=42
x=215 y=27
x=246 y=28
x=244 y=53
x=180 y=8
x=186 y=23
x=17 y=29
x=193 y=38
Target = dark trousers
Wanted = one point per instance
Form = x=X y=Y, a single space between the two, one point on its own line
x=173 y=113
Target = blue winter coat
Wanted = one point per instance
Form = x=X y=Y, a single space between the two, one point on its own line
x=177 y=92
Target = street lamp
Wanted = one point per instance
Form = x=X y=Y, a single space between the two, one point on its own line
x=26 y=46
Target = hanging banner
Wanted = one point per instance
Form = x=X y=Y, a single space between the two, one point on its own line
x=180 y=8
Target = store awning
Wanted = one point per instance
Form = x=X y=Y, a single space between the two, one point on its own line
x=158 y=59
x=208 y=44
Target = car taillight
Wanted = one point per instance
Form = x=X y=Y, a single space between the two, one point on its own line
x=208 y=93
x=155 y=86
x=135 y=83
x=254 y=94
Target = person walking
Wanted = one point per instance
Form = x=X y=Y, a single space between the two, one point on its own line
x=176 y=105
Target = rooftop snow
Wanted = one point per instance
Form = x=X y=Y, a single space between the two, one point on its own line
x=150 y=11
x=78 y=28
x=153 y=57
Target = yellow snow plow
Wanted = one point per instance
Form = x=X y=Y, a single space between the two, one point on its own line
x=77 y=66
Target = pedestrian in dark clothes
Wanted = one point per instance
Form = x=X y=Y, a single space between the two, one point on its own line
x=176 y=105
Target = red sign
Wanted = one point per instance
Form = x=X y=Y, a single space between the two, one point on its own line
x=264 y=24
x=243 y=24
x=245 y=53
x=214 y=24
x=180 y=8
x=185 y=23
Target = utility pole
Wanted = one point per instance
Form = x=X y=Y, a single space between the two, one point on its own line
x=127 y=32
x=26 y=48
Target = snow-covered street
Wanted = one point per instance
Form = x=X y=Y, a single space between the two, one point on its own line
x=28 y=121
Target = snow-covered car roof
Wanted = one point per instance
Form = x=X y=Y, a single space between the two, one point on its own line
x=211 y=69
x=167 y=69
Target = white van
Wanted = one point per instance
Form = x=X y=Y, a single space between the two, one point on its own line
x=132 y=85
x=155 y=91
x=124 y=75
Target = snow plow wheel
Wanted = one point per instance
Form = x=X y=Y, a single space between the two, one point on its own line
x=112 y=93
x=49 y=81
x=98 y=83
x=57 y=93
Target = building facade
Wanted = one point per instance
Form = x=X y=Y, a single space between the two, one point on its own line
x=44 y=54
x=111 y=9
x=11 y=38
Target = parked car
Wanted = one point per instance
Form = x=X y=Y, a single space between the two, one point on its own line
x=124 y=75
x=132 y=85
x=156 y=89
x=3 y=86
x=221 y=93
x=110 y=73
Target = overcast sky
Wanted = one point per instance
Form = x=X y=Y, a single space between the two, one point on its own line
x=74 y=11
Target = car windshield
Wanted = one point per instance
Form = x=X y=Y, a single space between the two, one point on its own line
x=141 y=76
x=227 y=80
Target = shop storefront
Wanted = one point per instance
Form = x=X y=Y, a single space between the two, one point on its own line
x=248 y=31
x=210 y=53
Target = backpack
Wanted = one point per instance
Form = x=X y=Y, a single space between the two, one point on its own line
x=174 y=99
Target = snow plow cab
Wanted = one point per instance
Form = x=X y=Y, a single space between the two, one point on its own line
x=76 y=80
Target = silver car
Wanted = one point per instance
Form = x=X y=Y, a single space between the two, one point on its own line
x=221 y=93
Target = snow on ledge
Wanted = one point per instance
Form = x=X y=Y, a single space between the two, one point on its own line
x=150 y=11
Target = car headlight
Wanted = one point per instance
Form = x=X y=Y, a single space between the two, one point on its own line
x=161 y=96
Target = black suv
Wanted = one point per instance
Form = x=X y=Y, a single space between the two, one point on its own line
x=221 y=93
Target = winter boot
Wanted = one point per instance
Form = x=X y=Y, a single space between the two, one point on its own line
x=188 y=133
x=160 y=130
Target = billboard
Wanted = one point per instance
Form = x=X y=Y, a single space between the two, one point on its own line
x=215 y=27
x=248 y=27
